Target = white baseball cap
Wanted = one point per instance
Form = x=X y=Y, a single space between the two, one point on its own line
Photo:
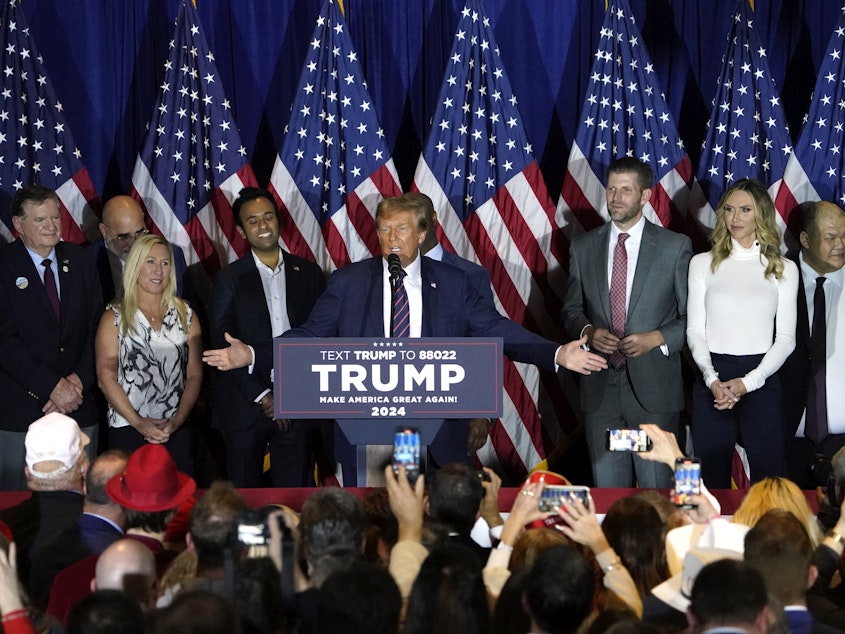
x=54 y=437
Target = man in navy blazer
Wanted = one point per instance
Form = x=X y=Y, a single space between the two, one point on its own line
x=243 y=291
x=46 y=347
x=356 y=303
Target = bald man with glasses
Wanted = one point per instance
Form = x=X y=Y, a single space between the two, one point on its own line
x=123 y=223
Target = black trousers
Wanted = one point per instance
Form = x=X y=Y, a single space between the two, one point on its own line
x=755 y=421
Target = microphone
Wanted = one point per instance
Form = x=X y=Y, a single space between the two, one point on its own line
x=394 y=267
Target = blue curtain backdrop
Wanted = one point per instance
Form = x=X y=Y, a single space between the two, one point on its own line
x=105 y=59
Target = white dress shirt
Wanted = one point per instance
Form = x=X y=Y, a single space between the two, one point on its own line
x=413 y=286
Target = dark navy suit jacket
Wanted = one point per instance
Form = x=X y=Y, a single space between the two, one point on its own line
x=90 y=535
x=36 y=348
x=478 y=275
x=240 y=308
x=352 y=306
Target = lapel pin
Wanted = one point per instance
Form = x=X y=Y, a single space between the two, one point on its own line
x=296 y=267
x=434 y=285
x=65 y=265
x=21 y=283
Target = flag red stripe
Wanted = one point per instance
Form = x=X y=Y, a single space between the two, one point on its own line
x=336 y=245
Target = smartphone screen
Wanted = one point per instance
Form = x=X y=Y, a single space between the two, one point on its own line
x=406 y=451
x=628 y=440
x=553 y=494
x=687 y=481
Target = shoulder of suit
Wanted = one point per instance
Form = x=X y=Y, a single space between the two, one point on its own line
x=295 y=260
x=443 y=271
x=593 y=235
x=462 y=263
x=371 y=266
x=664 y=233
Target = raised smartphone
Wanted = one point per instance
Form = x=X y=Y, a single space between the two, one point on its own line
x=406 y=451
x=553 y=494
x=687 y=482
x=628 y=440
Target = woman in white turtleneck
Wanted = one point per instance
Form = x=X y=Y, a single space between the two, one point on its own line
x=740 y=329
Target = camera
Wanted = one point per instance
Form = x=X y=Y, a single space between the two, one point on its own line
x=821 y=474
x=253 y=528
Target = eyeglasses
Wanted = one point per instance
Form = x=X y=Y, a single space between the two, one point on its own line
x=126 y=237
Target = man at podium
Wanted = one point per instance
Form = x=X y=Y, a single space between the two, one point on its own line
x=402 y=294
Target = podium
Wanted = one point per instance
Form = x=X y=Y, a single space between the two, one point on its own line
x=361 y=433
x=369 y=386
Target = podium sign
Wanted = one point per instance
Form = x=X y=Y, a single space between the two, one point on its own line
x=388 y=378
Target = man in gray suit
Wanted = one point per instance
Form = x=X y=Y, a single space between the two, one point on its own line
x=627 y=293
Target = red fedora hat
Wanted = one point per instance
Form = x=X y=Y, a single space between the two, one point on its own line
x=151 y=482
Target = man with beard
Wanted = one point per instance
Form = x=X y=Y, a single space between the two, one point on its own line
x=627 y=294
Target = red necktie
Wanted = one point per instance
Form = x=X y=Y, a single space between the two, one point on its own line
x=815 y=424
x=618 y=293
x=401 y=326
x=50 y=286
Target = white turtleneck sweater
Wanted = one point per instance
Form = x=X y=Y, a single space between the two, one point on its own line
x=736 y=311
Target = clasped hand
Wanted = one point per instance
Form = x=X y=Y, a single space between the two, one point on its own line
x=726 y=394
x=631 y=346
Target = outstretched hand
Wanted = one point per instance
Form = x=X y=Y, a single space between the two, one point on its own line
x=573 y=356
x=237 y=355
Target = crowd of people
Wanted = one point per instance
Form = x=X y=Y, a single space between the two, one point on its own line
x=126 y=544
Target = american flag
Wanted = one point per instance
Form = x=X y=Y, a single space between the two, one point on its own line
x=625 y=114
x=36 y=145
x=747 y=136
x=814 y=171
x=193 y=165
x=493 y=208
x=334 y=167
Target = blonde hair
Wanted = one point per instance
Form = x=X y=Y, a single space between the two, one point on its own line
x=777 y=493
x=768 y=233
x=129 y=305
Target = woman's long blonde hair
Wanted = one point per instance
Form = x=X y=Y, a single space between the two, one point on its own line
x=768 y=233
x=129 y=305
x=778 y=493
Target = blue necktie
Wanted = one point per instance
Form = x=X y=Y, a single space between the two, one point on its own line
x=401 y=311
